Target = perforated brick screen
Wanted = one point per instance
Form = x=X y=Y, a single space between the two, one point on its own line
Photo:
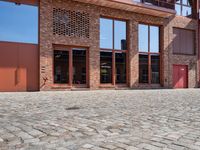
x=70 y=23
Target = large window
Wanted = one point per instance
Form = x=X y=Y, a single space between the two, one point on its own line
x=184 y=41
x=149 y=54
x=70 y=66
x=113 y=51
x=184 y=7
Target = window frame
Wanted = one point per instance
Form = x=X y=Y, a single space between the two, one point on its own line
x=57 y=47
x=149 y=53
x=114 y=51
x=185 y=5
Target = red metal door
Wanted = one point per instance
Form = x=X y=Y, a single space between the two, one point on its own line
x=18 y=67
x=180 y=76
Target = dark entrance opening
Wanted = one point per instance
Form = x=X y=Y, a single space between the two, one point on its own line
x=70 y=66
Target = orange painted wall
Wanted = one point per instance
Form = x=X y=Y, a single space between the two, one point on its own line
x=19 y=67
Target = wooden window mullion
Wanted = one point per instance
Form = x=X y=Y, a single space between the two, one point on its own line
x=149 y=60
x=181 y=7
x=113 y=32
x=113 y=68
x=127 y=67
x=87 y=67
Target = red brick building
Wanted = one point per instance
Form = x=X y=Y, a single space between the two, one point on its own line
x=100 y=44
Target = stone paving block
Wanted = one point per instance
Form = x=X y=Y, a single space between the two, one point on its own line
x=131 y=148
x=148 y=146
x=176 y=147
x=31 y=140
x=12 y=128
x=121 y=145
x=7 y=135
x=197 y=143
x=158 y=144
x=194 y=147
x=109 y=146
x=1 y=140
x=24 y=135
x=88 y=146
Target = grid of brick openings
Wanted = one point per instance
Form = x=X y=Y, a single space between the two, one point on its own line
x=70 y=23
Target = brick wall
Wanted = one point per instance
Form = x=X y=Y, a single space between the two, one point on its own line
x=170 y=58
x=47 y=39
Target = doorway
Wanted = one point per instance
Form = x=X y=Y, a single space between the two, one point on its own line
x=180 y=76
x=71 y=67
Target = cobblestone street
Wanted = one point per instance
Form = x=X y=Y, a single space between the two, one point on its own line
x=101 y=120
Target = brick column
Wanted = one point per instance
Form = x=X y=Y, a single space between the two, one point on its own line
x=45 y=44
x=94 y=52
x=133 y=54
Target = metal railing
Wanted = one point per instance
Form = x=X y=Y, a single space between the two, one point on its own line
x=170 y=4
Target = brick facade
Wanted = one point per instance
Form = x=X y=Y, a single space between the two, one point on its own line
x=48 y=39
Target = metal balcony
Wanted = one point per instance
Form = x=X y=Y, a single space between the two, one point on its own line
x=160 y=8
x=169 y=4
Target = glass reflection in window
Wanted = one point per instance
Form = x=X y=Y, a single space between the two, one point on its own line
x=154 y=39
x=120 y=35
x=106 y=33
x=143 y=38
x=106 y=67
x=120 y=59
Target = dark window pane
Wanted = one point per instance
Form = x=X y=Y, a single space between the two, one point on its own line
x=120 y=35
x=143 y=38
x=106 y=67
x=155 y=69
x=79 y=66
x=106 y=33
x=143 y=68
x=61 y=67
x=154 y=39
x=120 y=59
x=191 y=3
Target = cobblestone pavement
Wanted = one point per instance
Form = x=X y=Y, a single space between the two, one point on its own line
x=101 y=120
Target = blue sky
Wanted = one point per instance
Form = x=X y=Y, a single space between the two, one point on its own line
x=18 y=23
